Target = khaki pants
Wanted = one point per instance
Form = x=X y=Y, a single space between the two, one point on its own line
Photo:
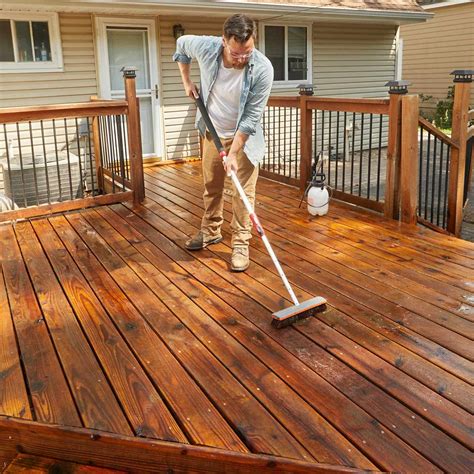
x=214 y=177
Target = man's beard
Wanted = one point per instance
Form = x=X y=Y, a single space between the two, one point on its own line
x=239 y=65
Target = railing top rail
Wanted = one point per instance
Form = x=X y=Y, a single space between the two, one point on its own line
x=335 y=104
x=437 y=133
x=58 y=111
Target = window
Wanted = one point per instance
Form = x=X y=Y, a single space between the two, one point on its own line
x=29 y=43
x=289 y=49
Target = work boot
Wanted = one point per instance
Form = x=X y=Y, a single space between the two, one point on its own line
x=201 y=241
x=240 y=259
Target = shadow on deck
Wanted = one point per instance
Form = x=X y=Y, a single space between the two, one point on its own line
x=121 y=349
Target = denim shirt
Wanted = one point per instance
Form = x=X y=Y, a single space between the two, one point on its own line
x=256 y=87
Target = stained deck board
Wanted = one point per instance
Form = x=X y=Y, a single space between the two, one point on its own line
x=79 y=363
x=369 y=295
x=146 y=411
x=443 y=411
x=51 y=399
x=374 y=245
x=305 y=423
x=379 y=380
x=318 y=232
x=13 y=395
x=312 y=382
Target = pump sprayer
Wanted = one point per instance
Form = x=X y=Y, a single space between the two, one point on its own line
x=317 y=195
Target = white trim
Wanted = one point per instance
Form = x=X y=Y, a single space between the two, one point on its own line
x=309 y=51
x=448 y=3
x=56 y=63
x=398 y=56
x=103 y=74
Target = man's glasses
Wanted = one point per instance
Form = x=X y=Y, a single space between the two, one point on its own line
x=239 y=56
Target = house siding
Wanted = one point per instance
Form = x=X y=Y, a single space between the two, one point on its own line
x=353 y=60
x=76 y=83
x=434 y=49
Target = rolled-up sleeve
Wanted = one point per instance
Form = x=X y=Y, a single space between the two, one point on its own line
x=189 y=47
x=256 y=102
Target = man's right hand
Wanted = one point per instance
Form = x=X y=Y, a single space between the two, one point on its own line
x=191 y=90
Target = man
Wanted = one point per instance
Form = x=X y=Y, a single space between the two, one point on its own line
x=236 y=80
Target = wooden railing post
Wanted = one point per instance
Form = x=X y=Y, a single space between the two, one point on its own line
x=397 y=89
x=134 y=136
x=409 y=159
x=462 y=86
x=306 y=134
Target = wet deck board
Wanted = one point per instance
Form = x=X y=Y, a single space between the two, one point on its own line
x=150 y=340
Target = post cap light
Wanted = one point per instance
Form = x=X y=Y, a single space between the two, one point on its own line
x=462 y=75
x=397 y=87
x=129 y=71
x=306 y=89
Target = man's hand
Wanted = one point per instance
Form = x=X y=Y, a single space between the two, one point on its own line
x=191 y=90
x=230 y=163
x=189 y=86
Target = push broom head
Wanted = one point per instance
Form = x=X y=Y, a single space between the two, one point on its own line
x=288 y=316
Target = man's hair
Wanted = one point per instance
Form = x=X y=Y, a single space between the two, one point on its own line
x=241 y=27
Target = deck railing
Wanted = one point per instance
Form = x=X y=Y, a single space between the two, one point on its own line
x=344 y=138
x=69 y=156
x=376 y=153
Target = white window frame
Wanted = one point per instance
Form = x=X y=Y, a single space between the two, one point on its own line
x=56 y=63
x=309 y=51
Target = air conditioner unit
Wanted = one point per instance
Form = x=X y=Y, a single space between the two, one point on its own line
x=27 y=182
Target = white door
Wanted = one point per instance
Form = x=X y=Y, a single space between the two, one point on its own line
x=132 y=42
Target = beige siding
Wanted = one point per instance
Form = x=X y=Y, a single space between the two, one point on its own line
x=181 y=138
x=75 y=84
x=353 y=60
x=434 y=49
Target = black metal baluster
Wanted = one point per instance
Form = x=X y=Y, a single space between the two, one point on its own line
x=379 y=158
x=420 y=171
x=315 y=134
x=323 y=132
x=426 y=181
x=292 y=144
x=446 y=180
x=344 y=151
x=369 y=165
x=272 y=163
x=21 y=164
x=433 y=178
x=265 y=135
x=125 y=122
x=91 y=164
x=440 y=177
x=35 y=174
x=120 y=149
x=337 y=150
x=111 y=150
x=361 y=157
x=297 y=129
x=329 y=147
x=81 y=176
x=68 y=158
x=352 y=152
x=8 y=162
x=45 y=160
x=58 y=171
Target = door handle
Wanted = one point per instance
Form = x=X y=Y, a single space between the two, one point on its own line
x=156 y=90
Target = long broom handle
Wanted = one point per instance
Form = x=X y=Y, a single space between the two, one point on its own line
x=253 y=216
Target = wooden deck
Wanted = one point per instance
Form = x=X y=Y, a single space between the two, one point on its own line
x=108 y=324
